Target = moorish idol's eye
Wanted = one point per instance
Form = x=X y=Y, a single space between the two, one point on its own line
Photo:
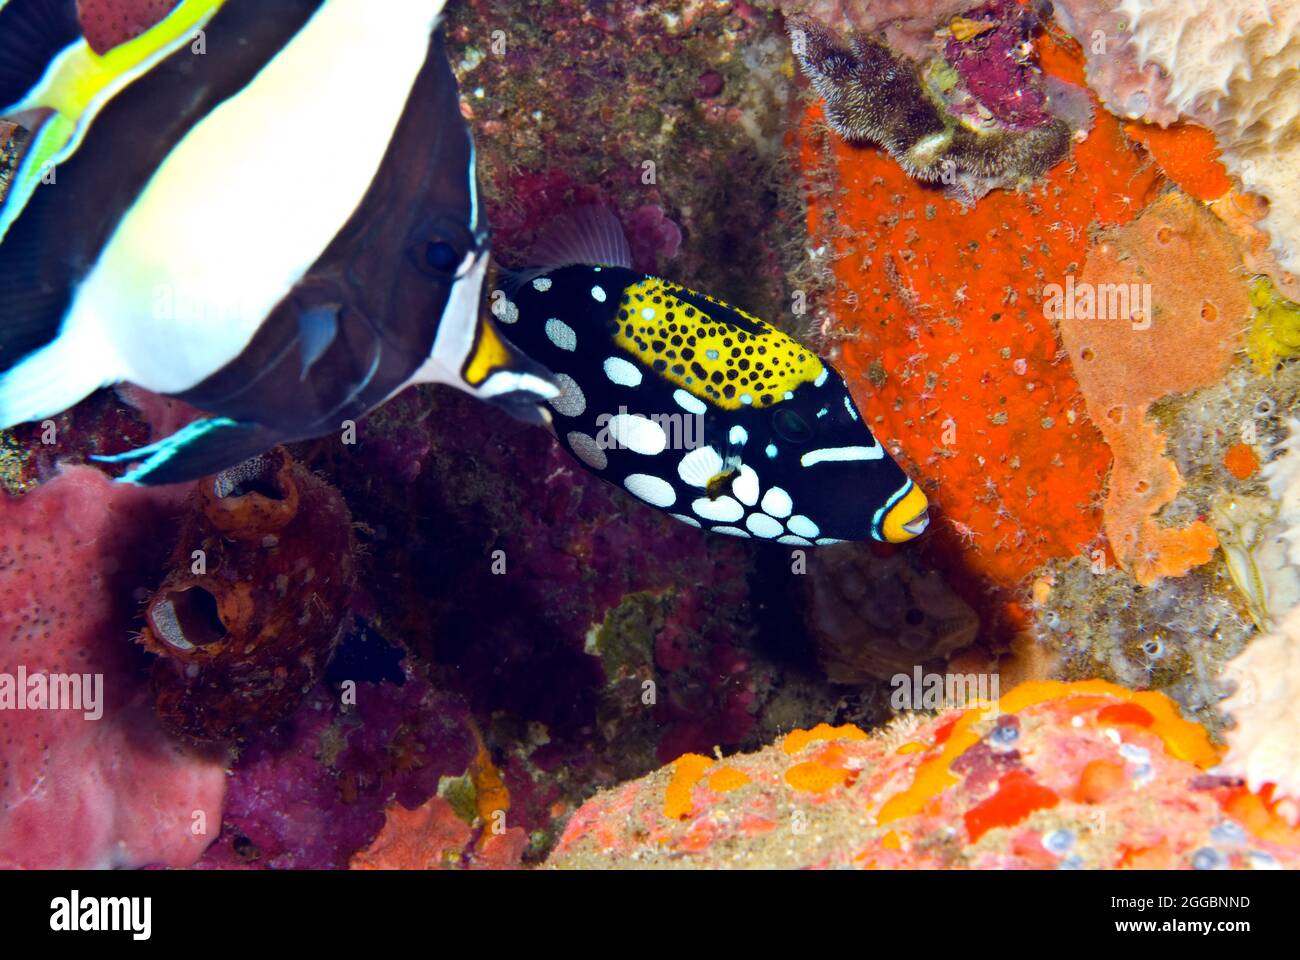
x=440 y=248
x=441 y=256
x=792 y=427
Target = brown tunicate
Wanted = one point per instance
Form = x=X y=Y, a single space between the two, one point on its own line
x=874 y=617
x=245 y=623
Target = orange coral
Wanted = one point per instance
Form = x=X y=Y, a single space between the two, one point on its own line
x=815 y=777
x=1241 y=213
x=1188 y=155
x=430 y=837
x=946 y=345
x=1187 y=264
x=726 y=779
x=688 y=770
x=796 y=740
x=1182 y=739
x=1084 y=774
x=491 y=796
x=1241 y=460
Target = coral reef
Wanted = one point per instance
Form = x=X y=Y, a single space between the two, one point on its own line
x=1081 y=775
x=579 y=633
x=312 y=790
x=87 y=776
x=990 y=48
x=516 y=637
x=947 y=346
x=697 y=130
x=243 y=626
x=442 y=833
x=907 y=25
x=981 y=125
x=1229 y=65
x=430 y=837
x=1157 y=310
x=1174 y=637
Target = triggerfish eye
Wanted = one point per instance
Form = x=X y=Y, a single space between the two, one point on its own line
x=791 y=426
x=696 y=407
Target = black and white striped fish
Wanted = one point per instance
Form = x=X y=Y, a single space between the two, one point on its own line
x=266 y=208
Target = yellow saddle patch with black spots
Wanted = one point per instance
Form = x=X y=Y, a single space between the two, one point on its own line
x=709 y=348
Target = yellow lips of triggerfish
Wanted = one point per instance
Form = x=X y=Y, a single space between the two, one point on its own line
x=906 y=519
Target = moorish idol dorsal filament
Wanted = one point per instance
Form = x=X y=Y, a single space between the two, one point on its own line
x=214 y=238
x=695 y=406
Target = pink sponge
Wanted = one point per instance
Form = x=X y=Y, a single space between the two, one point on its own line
x=78 y=792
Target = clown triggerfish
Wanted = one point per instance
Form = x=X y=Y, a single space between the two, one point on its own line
x=696 y=407
x=267 y=208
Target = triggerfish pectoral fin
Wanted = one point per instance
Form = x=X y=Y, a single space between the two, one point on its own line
x=50 y=76
x=203 y=447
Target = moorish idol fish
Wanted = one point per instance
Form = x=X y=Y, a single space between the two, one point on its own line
x=781 y=452
x=279 y=224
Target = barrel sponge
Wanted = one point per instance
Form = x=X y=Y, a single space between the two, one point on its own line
x=1231 y=65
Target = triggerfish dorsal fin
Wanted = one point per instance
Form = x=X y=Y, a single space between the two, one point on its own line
x=584 y=235
x=61 y=101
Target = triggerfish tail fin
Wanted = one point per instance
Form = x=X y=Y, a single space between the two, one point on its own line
x=55 y=83
x=202 y=448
